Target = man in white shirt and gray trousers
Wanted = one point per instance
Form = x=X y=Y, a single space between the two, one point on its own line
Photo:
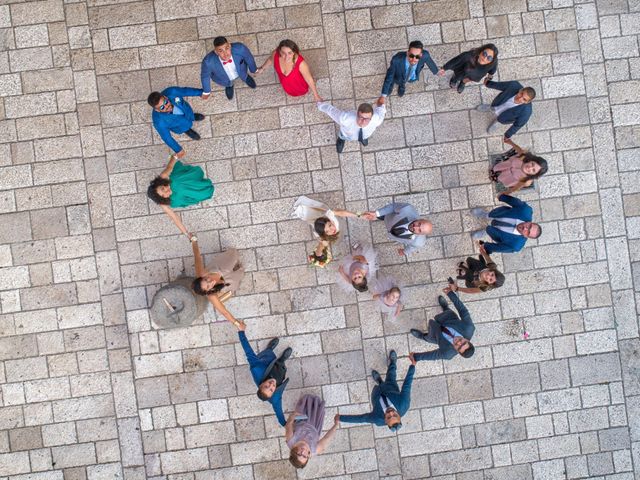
x=355 y=124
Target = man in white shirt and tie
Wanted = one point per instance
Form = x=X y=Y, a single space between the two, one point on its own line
x=510 y=226
x=355 y=124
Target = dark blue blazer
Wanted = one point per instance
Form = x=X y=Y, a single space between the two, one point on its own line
x=260 y=365
x=212 y=69
x=397 y=71
x=165 y=123
x=519 y=115
x=507 y=242
x=463 y=324
x=400 y=399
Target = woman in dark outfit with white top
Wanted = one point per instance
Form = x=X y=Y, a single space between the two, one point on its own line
x=472 y=66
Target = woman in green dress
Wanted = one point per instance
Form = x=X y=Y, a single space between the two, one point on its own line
x=178 y=186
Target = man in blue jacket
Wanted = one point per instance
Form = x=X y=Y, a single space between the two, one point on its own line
x=224 y=64
x=510 y=226
x=268 y=373
x=451 y=333
x=511 y=106
x=388 y=401
x=406 y=67
x=172 y=113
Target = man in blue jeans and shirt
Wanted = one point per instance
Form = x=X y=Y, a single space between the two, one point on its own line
x=406 y=67
x=268 y=373
x=388 y=401
x=172 y=113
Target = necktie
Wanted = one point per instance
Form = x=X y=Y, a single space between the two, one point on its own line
x=499 y=223
x=228 y=61
x=401 y=231
x=447 y=331
x=385 y=401
x=360 y=136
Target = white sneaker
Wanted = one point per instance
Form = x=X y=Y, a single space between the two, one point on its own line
x=493 y=127
x=483 y=107
x=478 y=234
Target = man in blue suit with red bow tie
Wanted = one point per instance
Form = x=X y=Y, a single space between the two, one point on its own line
x=224 y=64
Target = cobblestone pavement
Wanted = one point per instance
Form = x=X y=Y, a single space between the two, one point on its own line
x=90 y=390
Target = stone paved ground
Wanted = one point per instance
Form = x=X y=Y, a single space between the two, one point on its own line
x=90 y=390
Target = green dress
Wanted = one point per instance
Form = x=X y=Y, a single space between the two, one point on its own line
x=189 y=185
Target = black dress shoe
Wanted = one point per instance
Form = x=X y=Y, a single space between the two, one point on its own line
x=417 y=333
x=376 y=376
x=198 y=117
x=400 y=91
x=286 y=354
x=443 y=303
x=460 y=86
x=273 y=343
x=228 y=91
x=393 y=356
x=250 y=81
x=191 y=133
x=340 y=145
x=453 y=81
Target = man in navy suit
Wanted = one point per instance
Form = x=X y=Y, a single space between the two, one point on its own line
x=388 y=401
x=406 y=67
x=268 y=372
x=451 y=333
x=511 y=106
x=510 y=226
x=172 y=113
x=224 y=64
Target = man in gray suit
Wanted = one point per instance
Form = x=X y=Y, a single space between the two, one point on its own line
x=404 y=225
x=451 y=333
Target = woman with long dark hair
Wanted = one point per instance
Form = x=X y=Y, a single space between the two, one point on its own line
x=479 y=275
x=179 y=185
x=472 y=66
x=292 y=70
x=220 y=279
x=325 y=226
x=518 y=170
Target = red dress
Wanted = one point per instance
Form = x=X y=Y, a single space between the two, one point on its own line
x=294 y=83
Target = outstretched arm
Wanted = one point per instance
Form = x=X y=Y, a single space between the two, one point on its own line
x=462 y=310
x=345 y=213
x=306 y=74
x=197 y=258
x=334 y=112
x=246 y=346
x=324 y=441
x=288 y=427
x=512 y=201
x=248 y=56
x=219 y=306
x=175 y=218
x=189 y=91
x=388 y=81
x=266 y=63
x=165 y=135
x=408 y=380
x=166 y=173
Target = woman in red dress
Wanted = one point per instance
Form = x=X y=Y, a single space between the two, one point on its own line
x=293 y=71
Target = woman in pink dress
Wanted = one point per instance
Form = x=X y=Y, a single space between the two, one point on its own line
x=292 y=69
x=519 y=170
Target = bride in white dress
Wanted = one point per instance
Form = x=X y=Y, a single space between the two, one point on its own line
x=325 y=224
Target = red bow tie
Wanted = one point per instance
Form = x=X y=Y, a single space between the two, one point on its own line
x=228 y=61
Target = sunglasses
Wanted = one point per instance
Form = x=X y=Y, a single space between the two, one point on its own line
x=411 y=55
x=164 y=104
x=487 y=56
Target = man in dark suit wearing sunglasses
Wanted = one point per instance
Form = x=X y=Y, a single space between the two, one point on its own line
x=406 y=67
